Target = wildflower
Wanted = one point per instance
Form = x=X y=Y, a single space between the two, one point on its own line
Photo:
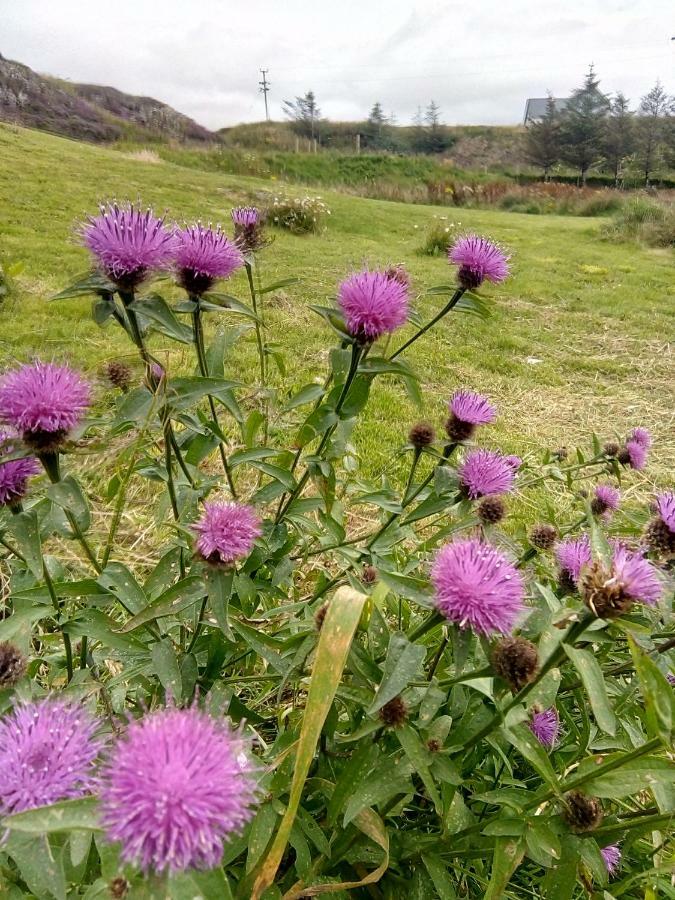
x=43 y=402
x=582 y=813
x=373 y=304
x=670 y=678
x=12 y=664
x=605 y=501
x=514 y=461
x=118 y=887
x=641 y=436
x=516 y=661
x=477 y=587
x=369 y=575
x=129 y=244
x=478 y=259
x=248 y=228
x=611 y=591
x=394 y=713
x=573 y=554
x=491 y=509
x=485 y=472
x=467 y=411
x=545 y=726
x=611 y=856
x=118 y=374
x=204 y=254
x=660 y=532
x=176 y=786
x=47 y=754
x=14 y=473
x=422 y=435
x=399 y=273
x=226 y=532
x=634 y=454
x=543 y=536
x=665 y=506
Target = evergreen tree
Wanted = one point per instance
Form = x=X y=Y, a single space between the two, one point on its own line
x=583 y=125
x=542 y=139
x=430 y=135
x=304 y=114
x=432 y=115
x=619 y=136
x=377 y=118
x=653 y=127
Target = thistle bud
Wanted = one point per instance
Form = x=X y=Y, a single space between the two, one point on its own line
x=369 y=575
x=516 y=661
x=394 y=713
x=118 y=887
x=582 y=813
x=433 y=745
x=611 y=448
x=320 y=615
x=658 y=537
x=560 y=454
x=422 y=435
x=118 y=374
x=12 y=664
x=543 y=536
x=491 y=509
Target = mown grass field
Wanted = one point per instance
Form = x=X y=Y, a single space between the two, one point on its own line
x=578 y=340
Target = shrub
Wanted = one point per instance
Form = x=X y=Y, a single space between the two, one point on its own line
x=646 y=220
x=304 y=215
x=439 y=237
x=427 y=700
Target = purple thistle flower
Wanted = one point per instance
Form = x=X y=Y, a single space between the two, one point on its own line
x=606 y=499
x=47 y=754
x=641 y=436
x=128 y=243
x=14 y=473
x=246 y=216
x=611 y=856
x=248 y=224
x=477 y=587
x=636 y=575
x=202 y=256
x=671 y=678
x=485 y=472
x=573 y=554
x=226 y=532
x=665 y=506
x=545 y=726
x=472 y=408
x=514 y=461
x=43 y=402
x=373 y=304
x=478 y=259
x=634 y=454
x=176 y=787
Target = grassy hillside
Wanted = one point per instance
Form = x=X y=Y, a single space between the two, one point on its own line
x=578 y=337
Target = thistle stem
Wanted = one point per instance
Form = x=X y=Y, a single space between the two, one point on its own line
x=454 y=300
x=258 y=331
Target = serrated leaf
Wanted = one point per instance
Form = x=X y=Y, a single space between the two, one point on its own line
x=177 y=598
x=657 y=693
x=590 y=673
x=401 y=665
x=418 y=755
x=165 y=665
x=68 y=815
x=155 y=309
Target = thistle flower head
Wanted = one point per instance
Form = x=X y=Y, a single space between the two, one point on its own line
x=373 y=304
x=14 y=473
x=611 y=856
x=478 y=260
x=245 y=216
x=118 y=374
x=202 y=255
x=641 y=436
x=47 y=753
x=606 y=499
x=394 y=713
x=467 y=411
x=611 y=591
x=128 y=243
x=543 y=536
x=477 y=587
x=422 y=435
x=582 y=813
x=399 y=273
x=491 y=509
x=176 y=786
x=545 y=726
x=43 y=402
x=485 y=472
x=12 y=664
x=248 y=228
x=516 y=661
x=634 y=454
x=226 y=532
x=670 y=678
x=665 y=507
x=514 y=461
x=572 y=555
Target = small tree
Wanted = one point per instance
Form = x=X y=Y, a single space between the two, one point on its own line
x=542 y=139
x=619 y=136
x=655 y=108
x=583 y=125
x=304 y=113
x=429 y=135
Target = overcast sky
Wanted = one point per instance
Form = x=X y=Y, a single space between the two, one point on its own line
x=478 y=60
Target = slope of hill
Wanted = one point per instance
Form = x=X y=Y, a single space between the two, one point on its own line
x=87 y=111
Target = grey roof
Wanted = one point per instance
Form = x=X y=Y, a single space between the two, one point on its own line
x=535 y=107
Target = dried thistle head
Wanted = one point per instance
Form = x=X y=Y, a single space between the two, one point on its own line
x=516 y=661
x=491 y=509
x=543 y=536
x=394 y=713
x=582 y=813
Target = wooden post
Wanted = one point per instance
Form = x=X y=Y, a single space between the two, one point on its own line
x=316 y=145
x=358 y=144
x=297 y=144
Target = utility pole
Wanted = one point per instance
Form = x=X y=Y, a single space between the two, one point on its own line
x=264 y=88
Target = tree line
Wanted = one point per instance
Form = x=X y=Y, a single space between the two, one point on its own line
x=594 y=130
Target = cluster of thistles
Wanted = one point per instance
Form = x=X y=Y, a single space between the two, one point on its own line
x=171 y=790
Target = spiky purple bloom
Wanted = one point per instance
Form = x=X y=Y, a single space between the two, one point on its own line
x=226 y=532
x=514 y=461
x=665 y=507
x=248 y=228
x=485 y=472
x=606 y=499
x=128 y=243
x=477 y=587
x=641 y=436
x=545 y=726
x=373 y=304
x=636 y=575
x=478 y=260
x=611 y=856
x=204 y=254
x=177 y=785
x=47 y=754
x=472 y=408
x=43 y=402
x=246 y=216
x=573 y=554
x=634 y=454
x=14 y=473
x=671 y=678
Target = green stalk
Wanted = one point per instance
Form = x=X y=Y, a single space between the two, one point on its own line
x=258 y=329
x=198 y=333
x=454 y=300
x=67 y=646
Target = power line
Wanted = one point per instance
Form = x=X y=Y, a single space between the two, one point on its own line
x=264 y=88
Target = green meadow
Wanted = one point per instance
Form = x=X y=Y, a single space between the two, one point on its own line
x=577 y=340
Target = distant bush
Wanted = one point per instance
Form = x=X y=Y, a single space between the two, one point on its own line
x=645 y=220
x=439 y=237
x=7 y=273
x=304 y=215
